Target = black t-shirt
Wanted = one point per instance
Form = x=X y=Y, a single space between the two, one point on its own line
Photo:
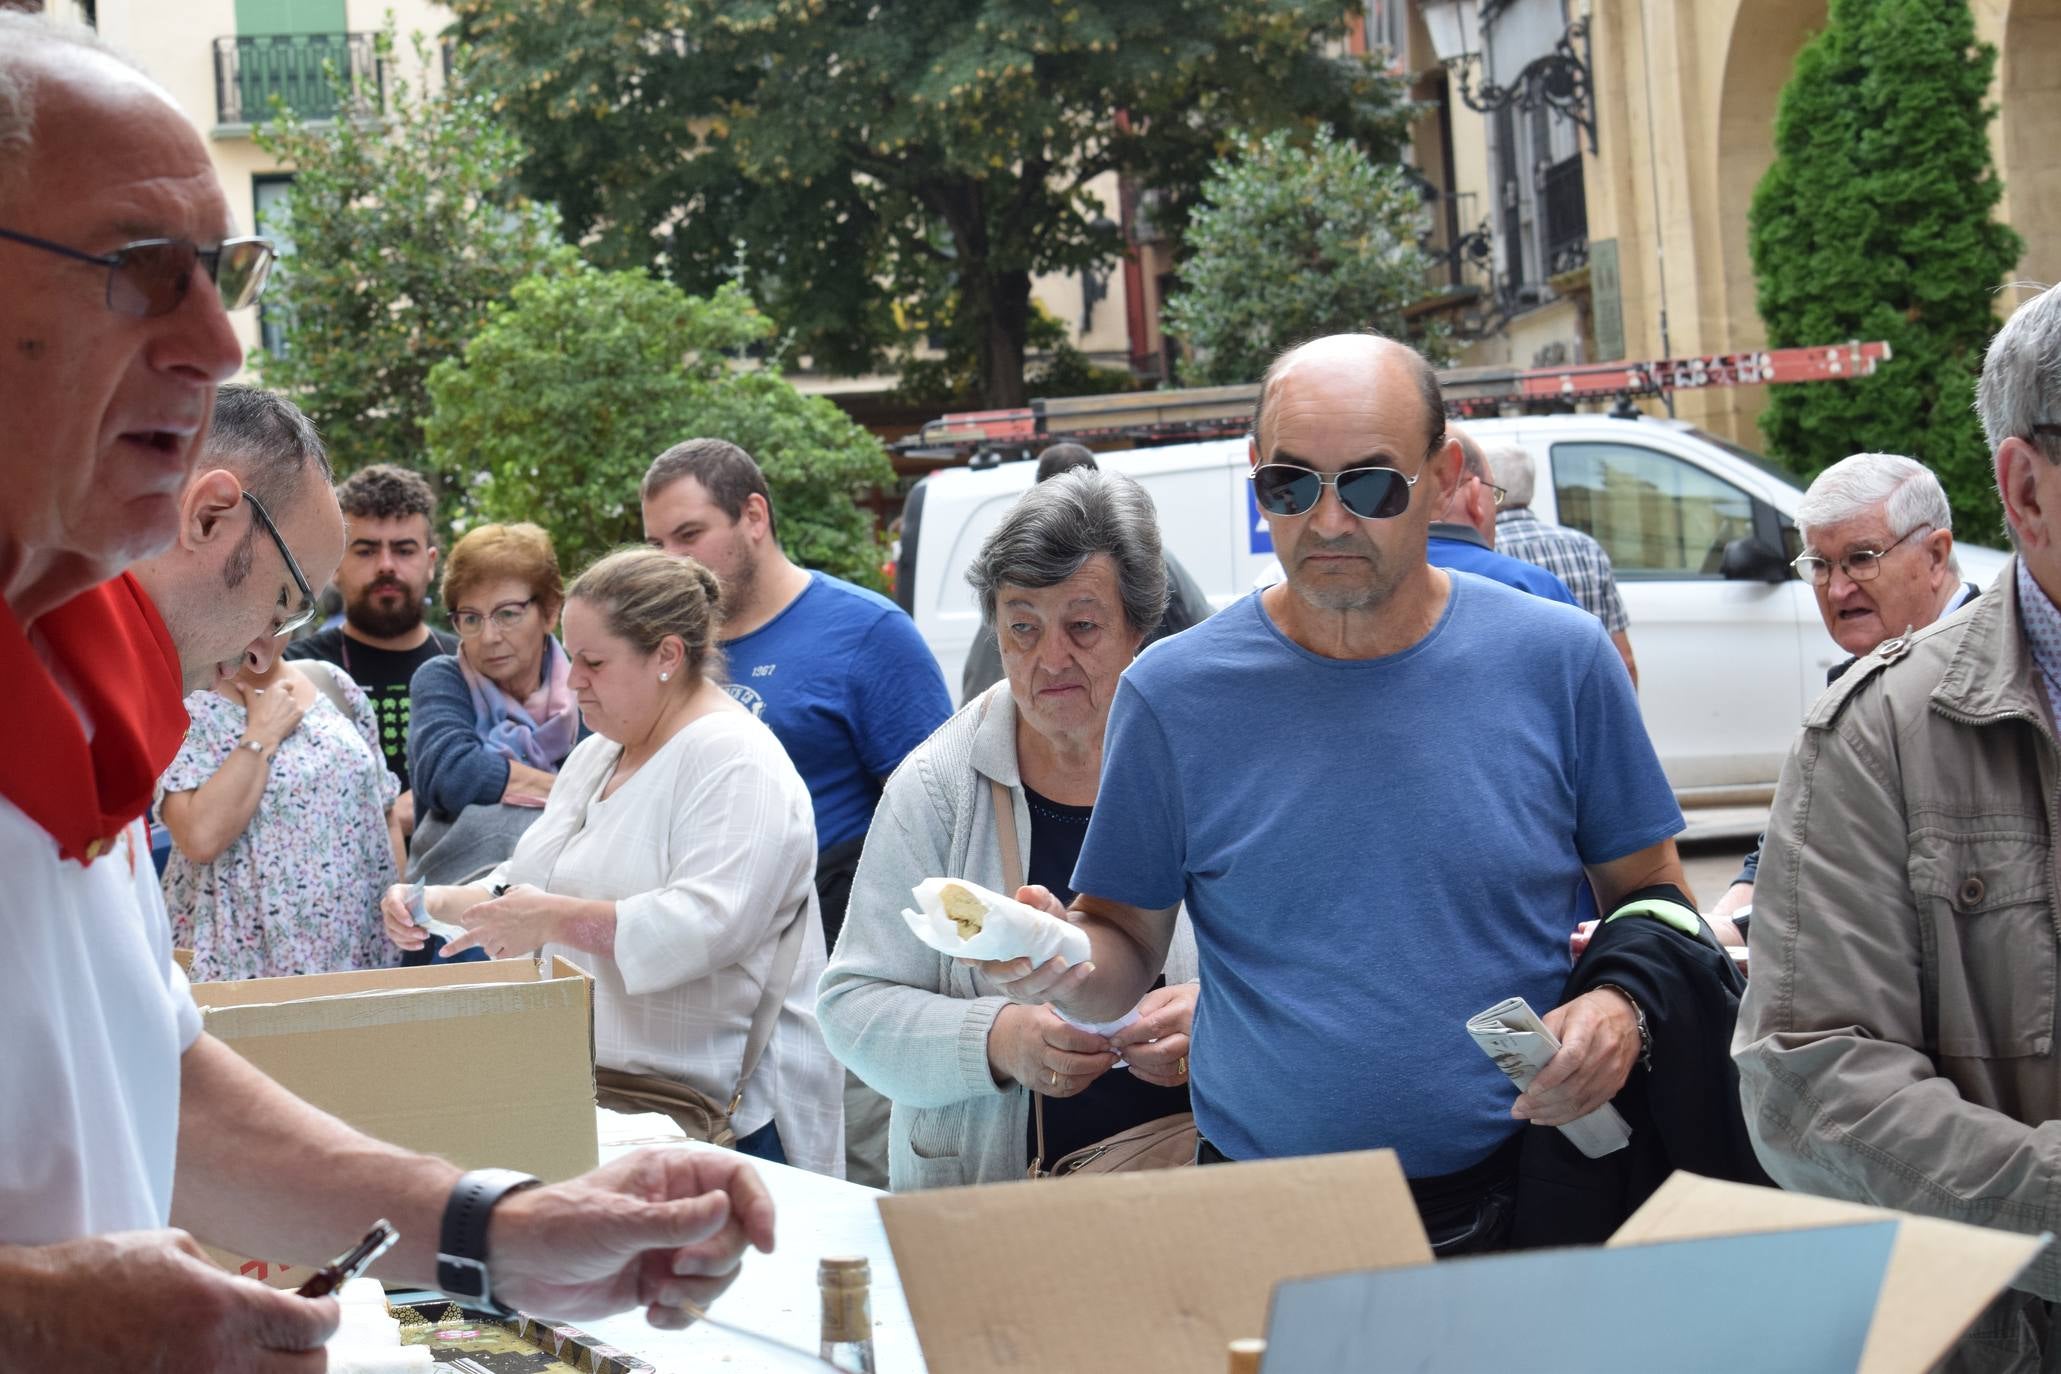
x=1117 y=1100
x=383 y=675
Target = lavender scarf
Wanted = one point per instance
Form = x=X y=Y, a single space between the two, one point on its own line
x=539 y=730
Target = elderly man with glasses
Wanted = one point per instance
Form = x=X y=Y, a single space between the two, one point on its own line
x=1424 y=825
x=1878 y=547
x=1463 y=534
x=120 y=265
x=1897 y=1042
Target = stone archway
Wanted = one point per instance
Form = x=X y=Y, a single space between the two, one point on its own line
x=2029 y=95
x=1760 y=53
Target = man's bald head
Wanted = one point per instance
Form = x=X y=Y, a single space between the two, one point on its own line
x=1385 y=361
x=35 y=54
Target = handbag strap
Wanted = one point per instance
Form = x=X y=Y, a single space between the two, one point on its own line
x=786 y=956
x=1012 y=875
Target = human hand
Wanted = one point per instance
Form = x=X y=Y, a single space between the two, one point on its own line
x=269 y=715
x=1156 y=1044
x=404 y=812
x=521 y=919
x=1737 y=897
x=399 y=920
x=1579 y=941
x=1599 y=1042
x=153 y=1300
x=1035 y=984
x=658 y=1228
x=1032 y=1046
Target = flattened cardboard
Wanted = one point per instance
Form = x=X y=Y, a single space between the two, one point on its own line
x=1136 y=1273
x=1941 y=1273
x=1811 y=1293
x=480 y=1063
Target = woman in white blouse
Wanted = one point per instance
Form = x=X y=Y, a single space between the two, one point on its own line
x=676 y=848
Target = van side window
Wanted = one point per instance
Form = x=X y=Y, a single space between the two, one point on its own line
x=1655 y=515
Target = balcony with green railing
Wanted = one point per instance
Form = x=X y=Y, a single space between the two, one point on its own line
x=252 y=68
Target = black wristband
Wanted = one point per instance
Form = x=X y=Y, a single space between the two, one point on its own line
x=462 y=1243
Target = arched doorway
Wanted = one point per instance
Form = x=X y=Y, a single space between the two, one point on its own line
x=2029 y=93
x=1766 y=36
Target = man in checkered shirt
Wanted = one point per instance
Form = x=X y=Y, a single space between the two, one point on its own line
x=1570 y=555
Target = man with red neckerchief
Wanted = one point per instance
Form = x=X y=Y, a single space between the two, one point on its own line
x=118 y=1115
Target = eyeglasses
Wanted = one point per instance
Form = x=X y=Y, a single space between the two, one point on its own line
x=505 y=616
x=1372 y=493
x=300 y=579
x=1862 y=565
x=1494 y=491
x=151 y=277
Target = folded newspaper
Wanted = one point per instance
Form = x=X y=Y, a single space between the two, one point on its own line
x=1512 y=1034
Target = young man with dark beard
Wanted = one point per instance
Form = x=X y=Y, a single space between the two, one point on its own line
x=388 y=566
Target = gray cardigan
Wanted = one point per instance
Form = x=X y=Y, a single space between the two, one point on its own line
x=914 y=1023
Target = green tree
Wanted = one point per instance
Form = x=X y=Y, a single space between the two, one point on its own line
x=1876 y=222
x=582 y=378
x=869 y=167
x=1294 y=241
x=403 y=231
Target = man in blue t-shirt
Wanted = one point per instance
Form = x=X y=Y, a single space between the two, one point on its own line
x=1384 y=792
x=838 y=673
x=1463 y=534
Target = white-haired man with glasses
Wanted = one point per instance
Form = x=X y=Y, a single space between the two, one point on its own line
x=1878 y=548
x=1897 y=1044
x=120 y=264
x=1413 y=829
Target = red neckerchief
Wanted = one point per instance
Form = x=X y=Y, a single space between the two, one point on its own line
x=120 y=660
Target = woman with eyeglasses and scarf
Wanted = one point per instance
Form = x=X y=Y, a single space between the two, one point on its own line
x=491 y=725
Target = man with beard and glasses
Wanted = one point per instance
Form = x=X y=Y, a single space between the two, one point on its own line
x=1385 y=792
x=389 y=562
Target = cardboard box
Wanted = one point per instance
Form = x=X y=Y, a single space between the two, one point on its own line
x=1136 y=1273
x=1707 y=1278
x=1941 y=1273
x=481 y=1063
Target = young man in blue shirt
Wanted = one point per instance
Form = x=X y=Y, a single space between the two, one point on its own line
x=1384 y=792
x=838 y=673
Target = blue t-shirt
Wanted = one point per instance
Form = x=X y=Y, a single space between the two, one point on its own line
x=1482 y=561
x=1372 y=852
x=847 y=685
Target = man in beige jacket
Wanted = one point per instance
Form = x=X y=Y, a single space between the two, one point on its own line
x=1897 y=1042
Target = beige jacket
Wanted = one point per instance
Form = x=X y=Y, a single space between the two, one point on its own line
x=1897 y=1041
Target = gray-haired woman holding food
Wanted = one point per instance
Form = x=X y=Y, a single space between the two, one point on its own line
x=1073 y=580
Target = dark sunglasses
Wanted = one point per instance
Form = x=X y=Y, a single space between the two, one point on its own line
x=150 y=278
x=1372 y=493
x=293 y=566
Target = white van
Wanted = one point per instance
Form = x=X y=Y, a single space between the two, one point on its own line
x=1730 y=646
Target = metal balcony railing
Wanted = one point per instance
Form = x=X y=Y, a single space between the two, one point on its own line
x=251 y=68
x=1566 y=216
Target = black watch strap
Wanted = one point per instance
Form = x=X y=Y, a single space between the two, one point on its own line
x=462 y=1244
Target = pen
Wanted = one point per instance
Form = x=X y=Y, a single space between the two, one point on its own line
x=351 y=1262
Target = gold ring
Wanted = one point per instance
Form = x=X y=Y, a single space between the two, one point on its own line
x=1184 y=1066
x=1053 y=1074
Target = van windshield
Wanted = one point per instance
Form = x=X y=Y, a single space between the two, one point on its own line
x=1761 y=461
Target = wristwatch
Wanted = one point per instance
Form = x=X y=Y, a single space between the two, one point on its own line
x=462 y=1244
x=255 y=746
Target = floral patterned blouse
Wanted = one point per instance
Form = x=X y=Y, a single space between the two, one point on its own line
x=298 y=891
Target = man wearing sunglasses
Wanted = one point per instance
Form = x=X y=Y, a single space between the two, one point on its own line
x=1384 y=792
x=118 y=264
x=1897 y=1044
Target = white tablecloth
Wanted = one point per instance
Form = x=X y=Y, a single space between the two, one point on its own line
x=776 y=1294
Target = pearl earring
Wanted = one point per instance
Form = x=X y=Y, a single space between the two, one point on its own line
x=665 y=677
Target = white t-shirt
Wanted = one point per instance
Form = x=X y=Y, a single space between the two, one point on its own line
x=703 y=851
x=94 y=1016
